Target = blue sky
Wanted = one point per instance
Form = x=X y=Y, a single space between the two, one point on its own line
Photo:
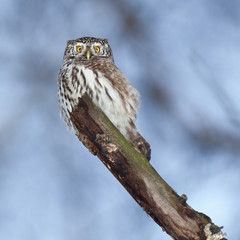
x=183 y=57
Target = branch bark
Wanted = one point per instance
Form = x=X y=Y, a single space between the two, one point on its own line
x=138 y=177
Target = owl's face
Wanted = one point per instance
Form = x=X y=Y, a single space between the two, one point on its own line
x=87 y=49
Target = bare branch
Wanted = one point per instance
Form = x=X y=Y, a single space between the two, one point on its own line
x=138 y=177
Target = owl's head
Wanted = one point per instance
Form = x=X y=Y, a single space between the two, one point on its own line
x=87 y=49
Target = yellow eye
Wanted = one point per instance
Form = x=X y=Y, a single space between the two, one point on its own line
x=97 y=49
x=79 y=49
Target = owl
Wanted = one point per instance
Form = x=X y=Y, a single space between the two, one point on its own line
x=88 y=67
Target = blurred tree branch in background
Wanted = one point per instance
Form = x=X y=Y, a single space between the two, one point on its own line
x=138 y=177
x=206 y=136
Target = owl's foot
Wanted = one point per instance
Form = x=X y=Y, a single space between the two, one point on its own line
x=144 y=149
x=142 y=146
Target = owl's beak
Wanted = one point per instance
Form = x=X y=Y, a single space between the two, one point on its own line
x=88 y=54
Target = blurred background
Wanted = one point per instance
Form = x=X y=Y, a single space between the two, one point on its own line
x=182 y=56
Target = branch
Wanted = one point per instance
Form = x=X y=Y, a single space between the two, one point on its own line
x=138 y=177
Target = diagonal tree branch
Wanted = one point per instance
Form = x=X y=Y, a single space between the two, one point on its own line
x=138 y=177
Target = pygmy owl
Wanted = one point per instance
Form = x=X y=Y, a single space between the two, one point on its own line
x=88 y=67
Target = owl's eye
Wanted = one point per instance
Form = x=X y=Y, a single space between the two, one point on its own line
x=97 y=49
x=79 y=49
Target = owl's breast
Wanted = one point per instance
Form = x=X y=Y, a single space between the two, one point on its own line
x=109 y=90
x=105 y=92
